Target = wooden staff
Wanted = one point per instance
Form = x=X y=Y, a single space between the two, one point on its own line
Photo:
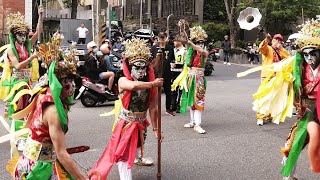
x=160 y=66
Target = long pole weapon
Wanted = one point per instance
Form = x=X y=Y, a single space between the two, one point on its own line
x=159 y=113
x=41 y=21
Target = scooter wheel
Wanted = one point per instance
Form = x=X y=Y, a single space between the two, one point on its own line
x=87 y=101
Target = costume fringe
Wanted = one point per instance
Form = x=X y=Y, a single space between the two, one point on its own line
x=62 y=174
x=12 y=165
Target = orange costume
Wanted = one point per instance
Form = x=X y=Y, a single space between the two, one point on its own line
x=269 y=55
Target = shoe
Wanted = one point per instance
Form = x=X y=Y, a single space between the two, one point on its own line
x=290 y=178
x=189 y=125
x=178 y=111
x=199 y=130
x=260 y=122
x=229 y=63
x=109 y=92
x=225 y=63
x=294 y=114
x=170 y=113
x=143 y=162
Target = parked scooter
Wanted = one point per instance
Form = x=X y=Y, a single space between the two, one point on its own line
x=209 y=68
x=92 y=94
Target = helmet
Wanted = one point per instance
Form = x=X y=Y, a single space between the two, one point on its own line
x=278 y=36
x=91 y=45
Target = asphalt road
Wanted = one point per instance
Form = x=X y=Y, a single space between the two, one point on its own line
x=233 y=148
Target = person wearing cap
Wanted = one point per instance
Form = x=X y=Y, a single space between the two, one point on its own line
x=138 y=95
x=45 y=155
x=226 y=46
x=93 y=72
x=168 y=57
x=270 y=54
x=176 y=69
x=306 y=85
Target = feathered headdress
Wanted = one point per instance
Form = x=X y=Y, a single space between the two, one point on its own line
x=136 y=50
x=66 y=61
x=310 y=35
x=198 y=34
x=16 y=23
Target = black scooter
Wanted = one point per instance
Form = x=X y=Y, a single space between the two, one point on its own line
x=92 y=94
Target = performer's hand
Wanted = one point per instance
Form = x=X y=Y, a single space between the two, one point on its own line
x=268 y=36
x=157 y=82
x=156 y=134
x=40 y=10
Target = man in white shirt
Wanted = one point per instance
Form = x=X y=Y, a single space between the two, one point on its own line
x=82 y=31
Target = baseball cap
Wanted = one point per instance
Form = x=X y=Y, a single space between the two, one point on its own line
x=278 y=36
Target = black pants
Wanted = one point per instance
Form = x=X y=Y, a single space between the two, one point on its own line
x=167 y=91
x=81 y=41
x=226 y=56
x=175 y=95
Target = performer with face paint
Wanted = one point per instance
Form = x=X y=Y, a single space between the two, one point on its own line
x=45 y=155
x=306 y=72
x=193 y=80
x=138 y=92
x=20 y=66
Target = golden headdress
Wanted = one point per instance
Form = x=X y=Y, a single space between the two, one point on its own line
x=198 y=34
x=136 y=50
x=310 y=35
x=66 y=60
x=16 y=23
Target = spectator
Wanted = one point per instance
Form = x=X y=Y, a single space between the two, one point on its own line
x=82 y=32
x=226 y=46
x=168 y=57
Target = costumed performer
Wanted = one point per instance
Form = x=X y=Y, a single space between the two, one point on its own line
x=45 y=155
x=138 y=93
x=192 y=79
x=307 y=101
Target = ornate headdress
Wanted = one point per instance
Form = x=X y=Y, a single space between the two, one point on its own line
x=16 y=23
x=136 y=50
x=66 y=61
x=310 y=35
x=198 y=34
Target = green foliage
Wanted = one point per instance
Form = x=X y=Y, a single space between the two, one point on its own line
x=241 y=44
x=216 y=31
x=214 y=10
x=280 y=16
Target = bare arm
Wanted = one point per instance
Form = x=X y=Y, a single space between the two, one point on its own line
x=127 y=85
x=15 y=62
x=50 y=115
x=39 y=26
x=314 y=146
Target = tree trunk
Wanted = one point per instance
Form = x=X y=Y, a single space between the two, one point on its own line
x=233 y=35
x=231 y=8
x=35 y=15
x=74 y=6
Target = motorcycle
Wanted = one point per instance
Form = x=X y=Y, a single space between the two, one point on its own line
x=209 y=68
x=92 y=94
x=213 y=54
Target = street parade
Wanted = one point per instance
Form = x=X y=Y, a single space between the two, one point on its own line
x=159 y=89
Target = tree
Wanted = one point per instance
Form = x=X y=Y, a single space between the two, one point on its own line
x=73 y=4
x=282 y=16
x=214 y=10
x=232 y=8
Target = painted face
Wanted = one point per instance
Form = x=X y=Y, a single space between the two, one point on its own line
x=200 y=43
x=311 y=56
x=139 y=70
x=68 y=87
x=21 y=37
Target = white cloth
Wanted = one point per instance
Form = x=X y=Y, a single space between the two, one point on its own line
x=191 y=116
x=124 y=172
x=197 y=117
x=179 y=54
x=82 y=32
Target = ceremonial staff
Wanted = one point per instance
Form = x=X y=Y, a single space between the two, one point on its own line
x=160 y=66
x=40 y=21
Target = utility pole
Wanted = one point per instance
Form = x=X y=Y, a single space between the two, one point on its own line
x=140 y=13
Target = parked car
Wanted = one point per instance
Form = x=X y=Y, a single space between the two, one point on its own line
x=143 y=33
